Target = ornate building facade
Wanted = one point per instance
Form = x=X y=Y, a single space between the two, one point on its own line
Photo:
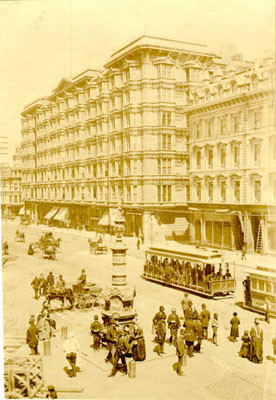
x=232 y=145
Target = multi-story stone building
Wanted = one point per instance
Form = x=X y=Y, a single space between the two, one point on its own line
x=11 y=199
x=119 y=133
x=232 y=145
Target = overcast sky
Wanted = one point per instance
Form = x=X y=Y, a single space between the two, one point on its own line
x=36 y=39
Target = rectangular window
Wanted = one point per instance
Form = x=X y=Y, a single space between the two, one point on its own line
x=135 y=194
x=159 y=194
x=210 y=158
x=223 y=125
x=166 y=118
x=257 y=119
x=237 y=190
x=166 y=142
x=236 y=122
x=236 y=155
x=198 y=159
x=210 y=191
x=159 y=167
x=223 y=191
x=257 y=152
x=198 y=130
x=222 y=156
x=257 y=190
x=198 y=191
x=210 y=127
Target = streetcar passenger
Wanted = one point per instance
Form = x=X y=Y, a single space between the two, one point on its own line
x=227 y=274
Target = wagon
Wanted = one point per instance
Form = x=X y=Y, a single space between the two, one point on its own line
x=20 y=237
x=86 y=295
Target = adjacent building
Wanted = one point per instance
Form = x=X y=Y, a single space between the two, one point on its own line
x=11 y=199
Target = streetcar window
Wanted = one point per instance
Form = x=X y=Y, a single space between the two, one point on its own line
x=254 y=284
x=267 y=287
x=261 y=285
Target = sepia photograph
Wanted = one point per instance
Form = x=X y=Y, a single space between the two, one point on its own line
x=138 y=199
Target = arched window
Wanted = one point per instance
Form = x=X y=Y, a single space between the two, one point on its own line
x=208 y=95
x=220 y=91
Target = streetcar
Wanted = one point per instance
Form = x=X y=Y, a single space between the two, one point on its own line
x=198 y=270
x=260 y=290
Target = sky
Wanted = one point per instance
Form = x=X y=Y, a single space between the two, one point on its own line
x=42 y=41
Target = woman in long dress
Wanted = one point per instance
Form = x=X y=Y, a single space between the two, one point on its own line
x=244 y=350
x=256 y=344
x=234 y=332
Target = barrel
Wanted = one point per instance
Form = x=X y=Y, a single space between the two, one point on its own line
x=47 y=347
x=132 y=369
x=64 y=330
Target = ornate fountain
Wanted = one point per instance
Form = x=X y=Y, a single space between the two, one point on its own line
x=119 y=298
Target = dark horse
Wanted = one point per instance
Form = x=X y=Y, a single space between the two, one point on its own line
x=61 y=295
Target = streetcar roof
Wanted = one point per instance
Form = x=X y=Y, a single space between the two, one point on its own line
x=258 y=272
x=186 y=252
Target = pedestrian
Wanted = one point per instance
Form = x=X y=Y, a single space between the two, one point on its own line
x=274 y=346
x=205 y=317
x=142 y=238
x=190 y=336
x=215 y=329
x=120 y=354
x=244 y=350
x=42 y=285
x=161 y=335
x=32 y=338
x=173 y=325
x=247 y=286
x=184 y=302
x=71 y=350
x=111 y=337
x=189 y=312
x=243 y=256
x=159 y=315
x=30 y=250
x=180 y=351
x=267 y=308
x=199 y=335
x=50 y=279
x=95 y=329
x=256 y=343
x=43 y=326
x=52 y=394
x=139 y=348
x=138 y=243
x=35 y=284
x=234 y=332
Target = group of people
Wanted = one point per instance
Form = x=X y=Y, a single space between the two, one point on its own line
x=40 y=329
x=42 y=285
x=174 y=271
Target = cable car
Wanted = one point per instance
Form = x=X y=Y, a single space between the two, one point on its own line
x=260 y=290
x=197 y=270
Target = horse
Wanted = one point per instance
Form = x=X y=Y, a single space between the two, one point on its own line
x=92 y=246
x=61 y=295
x=20 y=236
x=49 y=252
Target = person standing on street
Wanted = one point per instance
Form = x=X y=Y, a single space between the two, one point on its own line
x=267 y=307
x=32 y=338
x=52 y=394
x=215 y=329
x=161 y=335
x=35 y=284
x=138 y=243
x=190 y=336
x=71 y=349
x=95 y=330
x=235 y=322
x=173 y=325
x=111 y=337
x=50 y=279
x=184 y=302
x=199 y=335
x=247 y=286
x=243 y=257
x=120 y=354
x=189 y=312
x=159 y=315
x=180 y=351
x=205 y=319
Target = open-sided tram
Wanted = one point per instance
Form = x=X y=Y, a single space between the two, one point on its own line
x=198 y=270
x=260 y=290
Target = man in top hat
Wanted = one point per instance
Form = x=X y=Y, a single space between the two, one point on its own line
x=173 y=325
x=180 y=351
x=111 y=337
x=82 y=278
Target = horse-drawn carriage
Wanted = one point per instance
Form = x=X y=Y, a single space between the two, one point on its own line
x=86 y=295
x=47 y=246
x=97 y=247
x=20 y=236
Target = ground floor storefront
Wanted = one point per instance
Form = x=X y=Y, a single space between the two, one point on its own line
x=10 y=211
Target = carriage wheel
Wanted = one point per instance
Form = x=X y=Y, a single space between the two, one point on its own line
x=82 y=303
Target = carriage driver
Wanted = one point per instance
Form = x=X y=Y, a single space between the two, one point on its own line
x=60 y=285
x=82 y=278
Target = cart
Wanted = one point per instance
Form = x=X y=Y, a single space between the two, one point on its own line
x=87 y=295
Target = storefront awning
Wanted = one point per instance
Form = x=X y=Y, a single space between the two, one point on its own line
x=22 y=211
x=104 y=221
x=51 y=213
x=62 y=215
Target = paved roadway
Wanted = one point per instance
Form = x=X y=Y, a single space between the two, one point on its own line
x=217 y=374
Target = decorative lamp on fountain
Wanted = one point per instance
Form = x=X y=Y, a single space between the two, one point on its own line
x=119 y=298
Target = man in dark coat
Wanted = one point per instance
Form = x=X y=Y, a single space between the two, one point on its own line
x=247 y=286
x=82 y=278
x=50 y=279
x=95 y=329
x=205 y=317
x=199 y=335
x=111 y=337
x=35 y=284
x=32 y=338
x=161 y=335
x=120 y=354
x=188 y=312
x=173 y=325
x=159 y=315
x=180 y=351
x=190 y=336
